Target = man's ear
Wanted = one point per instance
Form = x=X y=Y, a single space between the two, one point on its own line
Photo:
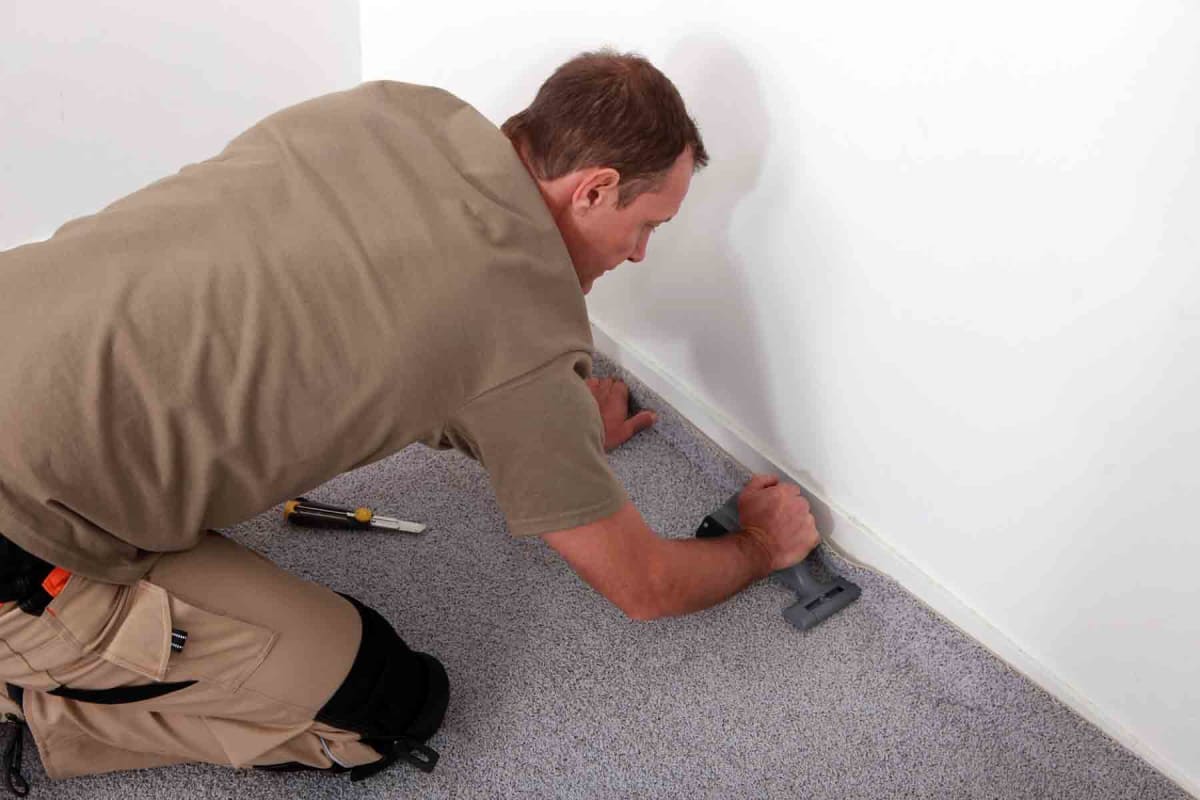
x=598 y=189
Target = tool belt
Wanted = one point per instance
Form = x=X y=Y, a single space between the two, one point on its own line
x=27 y=579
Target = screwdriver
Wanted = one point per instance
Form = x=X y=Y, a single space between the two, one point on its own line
x=312 y=514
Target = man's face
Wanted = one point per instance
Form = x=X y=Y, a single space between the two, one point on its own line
x=605 y=236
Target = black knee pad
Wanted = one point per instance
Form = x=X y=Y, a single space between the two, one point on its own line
x=391 y=691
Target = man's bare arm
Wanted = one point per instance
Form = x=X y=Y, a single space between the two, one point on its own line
x=647 y=576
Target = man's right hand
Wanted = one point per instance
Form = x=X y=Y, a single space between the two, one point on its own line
x=649 y=576
x=777 y=517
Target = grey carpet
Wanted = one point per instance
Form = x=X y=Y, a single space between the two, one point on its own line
x=555 y=694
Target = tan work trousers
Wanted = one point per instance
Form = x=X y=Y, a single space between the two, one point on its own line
x=265 y=649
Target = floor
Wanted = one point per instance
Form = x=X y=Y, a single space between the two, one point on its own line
x=555 y=694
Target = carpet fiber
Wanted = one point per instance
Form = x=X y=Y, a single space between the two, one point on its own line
x=555 y=694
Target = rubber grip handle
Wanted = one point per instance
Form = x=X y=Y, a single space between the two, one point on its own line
x=311 y=514
x=799 y=578
x=725 y=520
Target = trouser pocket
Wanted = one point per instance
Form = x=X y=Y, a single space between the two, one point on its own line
x=38 y=651
x=96 y=641
x=216 y=648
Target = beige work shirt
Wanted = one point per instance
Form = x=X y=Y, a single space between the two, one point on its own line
x=355 y=273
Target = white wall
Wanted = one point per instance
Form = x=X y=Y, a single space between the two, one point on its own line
x=98 y=100
x=945 y=262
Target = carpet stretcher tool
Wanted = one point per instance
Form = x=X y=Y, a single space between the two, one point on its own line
x=816 y=600
x=312 y=514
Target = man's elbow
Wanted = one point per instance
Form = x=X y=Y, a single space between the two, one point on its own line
x=641 y=612
x=621 y=558
x=643 y=602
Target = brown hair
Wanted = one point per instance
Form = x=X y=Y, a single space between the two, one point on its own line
x=607 y=109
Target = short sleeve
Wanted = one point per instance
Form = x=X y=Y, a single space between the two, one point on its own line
x=541 y=439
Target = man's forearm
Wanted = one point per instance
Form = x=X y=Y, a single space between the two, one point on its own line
x=694 y=574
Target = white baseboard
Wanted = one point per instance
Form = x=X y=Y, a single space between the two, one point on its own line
x=856 y=542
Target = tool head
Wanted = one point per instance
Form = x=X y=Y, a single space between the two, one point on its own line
x=819 y=594
x=811 y=610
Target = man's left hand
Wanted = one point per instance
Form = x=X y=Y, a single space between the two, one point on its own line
x=612 y=396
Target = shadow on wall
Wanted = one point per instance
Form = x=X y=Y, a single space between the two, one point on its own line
x=710 y=280
x=725 y=256
x=719 y=273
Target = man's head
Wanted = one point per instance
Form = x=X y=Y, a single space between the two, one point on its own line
x=612 y=148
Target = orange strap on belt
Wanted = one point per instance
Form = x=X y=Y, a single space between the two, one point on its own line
x=55 y=581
